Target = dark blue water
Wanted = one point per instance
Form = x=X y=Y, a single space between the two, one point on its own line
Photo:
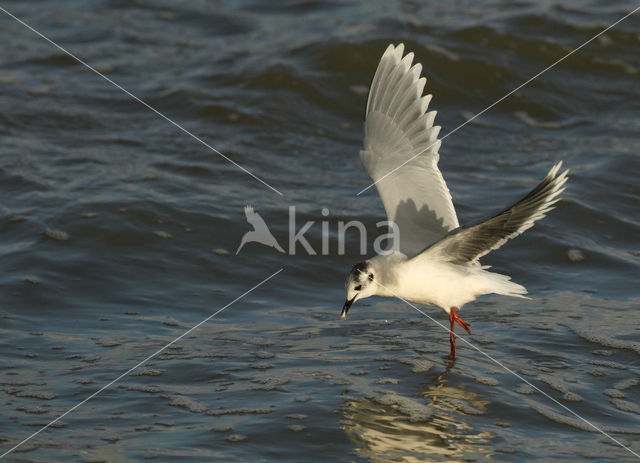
x=118 y=233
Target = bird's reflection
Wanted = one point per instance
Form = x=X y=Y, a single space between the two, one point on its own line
x=384 y=431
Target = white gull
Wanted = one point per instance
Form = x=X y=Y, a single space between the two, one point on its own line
x=435 y=261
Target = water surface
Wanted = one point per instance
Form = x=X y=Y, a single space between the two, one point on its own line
x=118 y=233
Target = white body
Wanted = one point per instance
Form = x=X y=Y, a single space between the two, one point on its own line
x=438 y=283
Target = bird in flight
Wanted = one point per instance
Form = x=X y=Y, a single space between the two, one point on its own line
x=434 y=260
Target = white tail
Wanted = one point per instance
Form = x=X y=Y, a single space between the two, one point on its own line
x=502 y=284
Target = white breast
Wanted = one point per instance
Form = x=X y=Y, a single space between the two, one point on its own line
x=437 y=283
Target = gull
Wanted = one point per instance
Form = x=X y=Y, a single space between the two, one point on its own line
x=433 y=260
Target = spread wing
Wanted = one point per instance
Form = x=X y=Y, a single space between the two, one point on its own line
x=401 y=153
x=469 y=243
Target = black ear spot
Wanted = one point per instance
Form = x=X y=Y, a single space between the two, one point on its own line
x=371 y=276
x=358 y=288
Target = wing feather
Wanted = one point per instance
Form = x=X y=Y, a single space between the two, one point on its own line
x=399 y=130
x=469 y=243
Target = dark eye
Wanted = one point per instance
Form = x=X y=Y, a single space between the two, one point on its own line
x=371 y=276
x=358 y=288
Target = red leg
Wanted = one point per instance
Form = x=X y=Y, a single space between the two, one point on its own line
x=453 y=318
x=452 y=338
x=460 y=321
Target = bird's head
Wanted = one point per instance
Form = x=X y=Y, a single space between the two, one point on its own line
x=360 y=284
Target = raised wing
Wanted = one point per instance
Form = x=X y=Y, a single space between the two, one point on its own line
x=469 y=243
x=401 y=153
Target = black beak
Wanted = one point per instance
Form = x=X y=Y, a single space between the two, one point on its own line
x=347 y=304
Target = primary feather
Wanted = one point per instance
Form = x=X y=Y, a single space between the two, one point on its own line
x=469 y=243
